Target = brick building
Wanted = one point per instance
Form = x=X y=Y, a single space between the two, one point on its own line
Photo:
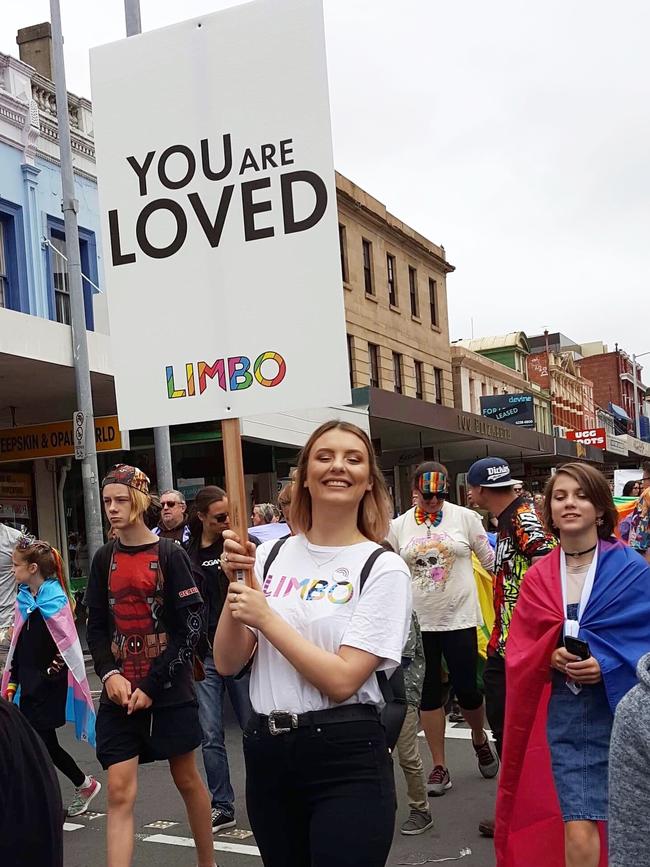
x=572 y=395
x=613 y=376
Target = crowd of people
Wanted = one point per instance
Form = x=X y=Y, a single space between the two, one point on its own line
x=352 y=631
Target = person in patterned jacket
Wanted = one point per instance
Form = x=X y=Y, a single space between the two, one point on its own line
x=521 y=539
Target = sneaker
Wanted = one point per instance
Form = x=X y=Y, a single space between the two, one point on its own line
x=488 y=759
x=83 y=797
x=486 y=828
x=439 y=781
x=455 y=713
x=221 y=821
x=418 y=822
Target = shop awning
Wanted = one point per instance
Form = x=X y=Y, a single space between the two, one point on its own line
x=619 y=412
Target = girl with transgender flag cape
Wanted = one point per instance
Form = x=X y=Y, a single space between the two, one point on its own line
x=552 y=803
x=45 y=668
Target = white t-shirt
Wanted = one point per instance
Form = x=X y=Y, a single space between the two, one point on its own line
x=8 y=541
x=440 y=562
x=316 y=590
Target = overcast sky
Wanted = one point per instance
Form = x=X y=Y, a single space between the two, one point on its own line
x=515 y=133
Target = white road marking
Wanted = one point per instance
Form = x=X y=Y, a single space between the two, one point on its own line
x=189 y=843
x=70 y=826
x=161 y=825
x=454 y=732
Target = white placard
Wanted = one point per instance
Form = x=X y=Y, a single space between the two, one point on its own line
x=219 y=217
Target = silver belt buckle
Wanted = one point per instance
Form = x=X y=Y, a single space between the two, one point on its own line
x=281 y=722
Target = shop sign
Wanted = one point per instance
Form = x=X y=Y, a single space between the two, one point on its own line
x=220 y=218
x=189 y=488
x=476 y=424
x=596 y=437
x=55 y=440
x=617 y=445
x=516 y=409
x=14 y=510
x=639 y=447
x=16 y=486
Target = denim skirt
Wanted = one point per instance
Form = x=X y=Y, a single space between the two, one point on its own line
x=578 y=730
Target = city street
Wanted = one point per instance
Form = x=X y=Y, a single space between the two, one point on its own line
x=163 y=837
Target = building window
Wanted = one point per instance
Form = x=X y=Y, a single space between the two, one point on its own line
x=433 y=301
x=419 y=380
x=61 y=280
x=392 y=280
x=413 y=290
x=343 y=244
x=397 y=372
x=351 y=358
x=13 y=272
x=373 y=355
x=367 y=267
x=60 y=276
x=437 y=379
x=4 y=277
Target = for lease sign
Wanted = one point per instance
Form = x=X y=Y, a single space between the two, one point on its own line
x=220 y=225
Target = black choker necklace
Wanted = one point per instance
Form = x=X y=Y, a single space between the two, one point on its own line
x=580 y=553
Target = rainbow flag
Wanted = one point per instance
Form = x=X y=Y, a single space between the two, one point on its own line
x=53 y=604
x=624 y=507
x=485 y=589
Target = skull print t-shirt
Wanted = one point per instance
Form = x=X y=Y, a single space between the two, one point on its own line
x=440 y=562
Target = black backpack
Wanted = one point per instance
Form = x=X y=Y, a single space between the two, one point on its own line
x=392 y=688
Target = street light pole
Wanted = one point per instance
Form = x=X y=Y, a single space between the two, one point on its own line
x=161 y=439
x=70 y=206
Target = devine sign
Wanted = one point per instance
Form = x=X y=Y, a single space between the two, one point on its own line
x=596 y=437
x=220 y=224
x=517 y=409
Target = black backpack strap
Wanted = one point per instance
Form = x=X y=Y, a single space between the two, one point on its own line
x=367 y=566
x=393 y=689
x=273 y=553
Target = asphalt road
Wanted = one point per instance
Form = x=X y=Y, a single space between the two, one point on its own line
x=456 y=815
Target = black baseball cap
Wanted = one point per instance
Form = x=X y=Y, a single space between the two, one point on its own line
x=491 y=473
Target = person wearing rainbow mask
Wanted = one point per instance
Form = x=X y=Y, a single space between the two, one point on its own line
x=436 y=539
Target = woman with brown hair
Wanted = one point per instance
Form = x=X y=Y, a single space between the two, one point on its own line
x=581 y=624
x=319 y=779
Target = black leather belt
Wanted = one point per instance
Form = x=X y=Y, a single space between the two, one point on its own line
x=280 y=722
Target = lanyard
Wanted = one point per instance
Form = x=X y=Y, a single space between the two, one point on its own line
x=571 y=627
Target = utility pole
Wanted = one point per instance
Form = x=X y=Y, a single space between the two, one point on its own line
x=161 y=440
x=70 y=206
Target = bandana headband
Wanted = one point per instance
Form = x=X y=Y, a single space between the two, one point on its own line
x=123 y=474
x=431 y=484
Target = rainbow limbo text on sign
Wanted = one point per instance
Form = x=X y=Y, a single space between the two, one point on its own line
x=230 y=374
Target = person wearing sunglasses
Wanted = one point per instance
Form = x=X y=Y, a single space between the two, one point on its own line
x=436 y=539
x=205 y=546
x=173 y=518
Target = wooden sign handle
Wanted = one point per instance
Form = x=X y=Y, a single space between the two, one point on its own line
x=235 y=487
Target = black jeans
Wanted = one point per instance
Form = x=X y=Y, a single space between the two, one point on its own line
x=321 y=796
x=494 y=683
x=62 y=760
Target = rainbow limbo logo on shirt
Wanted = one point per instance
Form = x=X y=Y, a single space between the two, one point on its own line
x=310 y=589
x=230 y=374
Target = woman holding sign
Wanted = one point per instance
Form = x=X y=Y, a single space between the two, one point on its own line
x=581 y=624
x=319 y=778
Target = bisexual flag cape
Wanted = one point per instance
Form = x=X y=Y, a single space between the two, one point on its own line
x=53 y=604
x=616 y=624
